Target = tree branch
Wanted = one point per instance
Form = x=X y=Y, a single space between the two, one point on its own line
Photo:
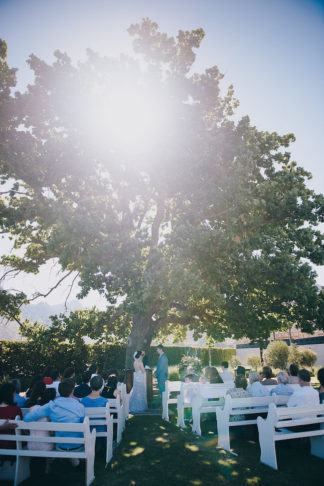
x=13 y=317
x=39 y=294
x=69 y=293
x=12 y=270
x=113 y=318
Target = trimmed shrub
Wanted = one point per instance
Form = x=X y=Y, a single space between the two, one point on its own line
x=254 y=361
x=235 y=362
x=276 y=354
x=295 y=356
x=309 y=357
x=174 y=376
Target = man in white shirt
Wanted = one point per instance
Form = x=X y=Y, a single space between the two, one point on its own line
x=255 y=388
x=305 y=395
x=226 y=375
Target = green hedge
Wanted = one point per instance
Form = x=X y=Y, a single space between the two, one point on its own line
x=217 y=355
x=23 y=360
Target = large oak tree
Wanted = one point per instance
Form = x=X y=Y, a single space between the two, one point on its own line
x=134 y=176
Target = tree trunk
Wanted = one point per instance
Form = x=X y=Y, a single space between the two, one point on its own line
x=140 y=338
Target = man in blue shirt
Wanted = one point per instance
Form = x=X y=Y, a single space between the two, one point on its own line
x=63 y=409
x=161 y=372
x=283 y=388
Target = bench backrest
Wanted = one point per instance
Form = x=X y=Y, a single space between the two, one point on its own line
x=214 y=390
x=296 y=415
x=114 y=404
x=294 y=386
x=235 y=404
x=22 y=427
x=97 y=412
x=172 y=386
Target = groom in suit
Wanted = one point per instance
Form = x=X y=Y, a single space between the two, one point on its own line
x=161 y=372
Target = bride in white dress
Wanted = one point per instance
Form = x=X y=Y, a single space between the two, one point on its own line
x=138 y=401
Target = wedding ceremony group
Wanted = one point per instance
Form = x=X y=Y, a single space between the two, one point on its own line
x=161 y=243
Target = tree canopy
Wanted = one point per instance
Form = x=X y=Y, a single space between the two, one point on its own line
x=134 y=175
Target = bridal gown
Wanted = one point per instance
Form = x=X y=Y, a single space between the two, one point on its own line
x=138 y=401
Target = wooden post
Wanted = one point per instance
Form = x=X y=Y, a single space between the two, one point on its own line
x=129 y=380
x=149 y=385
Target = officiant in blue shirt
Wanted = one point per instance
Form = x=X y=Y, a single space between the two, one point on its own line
x=161 y=372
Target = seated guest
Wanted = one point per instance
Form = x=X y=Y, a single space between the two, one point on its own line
x=63 y=409
x=84 y=389
x=17 y=398
x=212 y=374
x=55 y=375
x=39 y=466
x=191 y=371
x=238 y=392
x=36 y=394
x=203 y=379
x=112 y=372
x=320 y=376
x=47 y=375
x=68 y=373
x=293 y=374
x=111 y=390
x=94 y=399
x=266 y=376
x=305 y=395
x=225 y=374
x=35 y=379
x=240 y=370
x=240 y=388
x=93 y=370
x=283 y=388
x=189 y=392
x=255 y=388
x=8 y=411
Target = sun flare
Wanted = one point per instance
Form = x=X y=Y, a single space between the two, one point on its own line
x=126 y=118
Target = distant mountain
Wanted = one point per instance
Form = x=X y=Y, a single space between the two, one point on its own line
x=9 y=331
x=35 y=312
x=42 y=311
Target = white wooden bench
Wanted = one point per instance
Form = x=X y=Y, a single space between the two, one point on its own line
x=209 y=397
x=280 y=418
x=117 y=408
x=170 y=387
x=101 y=416
x=184 y=400
x=125 y=397
x=242 y=406
x=23 y=454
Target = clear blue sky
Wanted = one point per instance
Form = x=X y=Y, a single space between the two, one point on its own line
x=271 y=50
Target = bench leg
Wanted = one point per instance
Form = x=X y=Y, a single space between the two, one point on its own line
x=196 y=420
x=109 y=445
x=119 y=431
x=165 y=405
x=317 y=446
x=223 y=434
x=180 y=422
x=90 y=470
x=22 y=469
x=267 y=444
